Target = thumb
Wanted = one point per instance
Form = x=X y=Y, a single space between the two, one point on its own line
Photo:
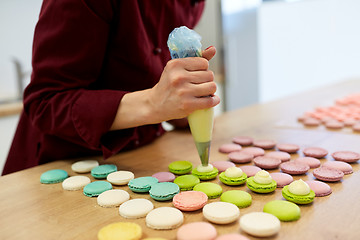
x=209 y=53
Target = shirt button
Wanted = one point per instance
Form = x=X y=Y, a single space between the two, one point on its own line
x=157 y=51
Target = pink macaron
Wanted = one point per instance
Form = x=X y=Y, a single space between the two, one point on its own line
x=346 y=156
x=264 y=143
x=282 y=179
x=328 y=174
x=250 y=170
x=240 y=157
x=190 y=200
x=283 y=156
x=222 y=165
x=164 y=176
x=288 y=147
x=255 y=151
x=267 y=162
x=312 y=162
x=229 y=147
x=342 y=166
x=196 y=231
x=320 y=189
x=243 y=140
x=316 y=152
x=294 y=168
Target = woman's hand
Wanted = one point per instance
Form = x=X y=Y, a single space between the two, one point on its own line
x=185 y=85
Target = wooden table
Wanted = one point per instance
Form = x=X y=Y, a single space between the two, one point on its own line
x=30 y=210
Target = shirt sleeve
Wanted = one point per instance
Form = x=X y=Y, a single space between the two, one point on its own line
x=68 y=52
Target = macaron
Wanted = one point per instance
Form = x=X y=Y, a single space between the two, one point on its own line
x=120 y=230
x=264 y=143
x=222 y=165
x=75 y=183
x=288 y=147
x=294 y=168
x=164 y=191
x=84 y=166
x=346 y=156
x=342 y=166
x=282 y=179
x=328 y=174
x=164 y=176
x=250 y=170
x=243 y=140
x=205 y=173
x=312 y=162
x=102 y=171
x=233 y=176
x=186 y=182
x=120 y=177
x=261 y=182
x=142 y=184
x=316 y=152
x=196 y=231
x=190 y=200
x=229 y=147
x=94 y=189
x=164 y=218
x=267 y=162
x=240 y=198
x=212 y=190
x=136 y=208
x=240 y=157
x=180 y=167
x=320 y=189
x=283 y=156
x=255 y=151
x=311 y=122
x=298 y=192
x=221 y=212
x=260 y=224
x=112 y=198
x=285 y=211
x=53 y=176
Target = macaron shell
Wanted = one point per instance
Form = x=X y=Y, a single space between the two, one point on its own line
x=250 y=170
x=283 y=210
x=282 y=179
x=163 y=218
x=328 y=174
x=196 y=231
x=112 y=198
x=164 y=191
x=264 y=143
x=240 y=157
x=299 y=199
x=142 y=184
x=186 y=182
x=53 y=176
x=294 y=168
x=243 y=140
x=288 y=147
x=260 y=188
x=240 y=198
x=120 y=230
x=180 y=167
x=267 y=162
x=346 y=156
x=283 y=156
x=205 y=175
x=255 y=151
x=190 y=200
x=94 y=189
x=260 y=224
x=221 y=212
x=75 y=183
x=321 y=189
x=135 y=208
x=232 y=181
x=212 y=190
x=229 y=147
x=84 y=166
x=342 y=166
x=222 y=165
x=315 y=152
x=164 y=176
x=120 y=177
x=310 y=161
x=102 y=171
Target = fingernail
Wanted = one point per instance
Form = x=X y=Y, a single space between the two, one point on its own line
x=209 y=47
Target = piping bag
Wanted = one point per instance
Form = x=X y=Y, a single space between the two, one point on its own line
x=184 y=42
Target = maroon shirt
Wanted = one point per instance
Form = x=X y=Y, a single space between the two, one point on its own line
x=86 y=55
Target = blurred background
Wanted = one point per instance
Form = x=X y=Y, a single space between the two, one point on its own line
x=266 y=50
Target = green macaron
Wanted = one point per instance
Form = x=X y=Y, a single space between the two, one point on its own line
x=186 y=182
x=94 y=189
x=212 y=190
x=53 y=176
x=299 y=199
x=180 y=167
x=232 y=181
x=164 y=191
x=284 y=210
x=260 y=188
x=205 y=175
x=240 y=198
x=101 y=172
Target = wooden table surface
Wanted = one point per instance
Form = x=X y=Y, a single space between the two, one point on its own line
x=30 y=210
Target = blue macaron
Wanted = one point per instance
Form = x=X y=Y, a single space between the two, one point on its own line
x=142 y=184
x=94 y=189
x=101 y=172
x=164 y=191
x=53 y=176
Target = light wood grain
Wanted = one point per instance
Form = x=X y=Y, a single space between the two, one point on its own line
x=30 y=210
x=13 y=108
